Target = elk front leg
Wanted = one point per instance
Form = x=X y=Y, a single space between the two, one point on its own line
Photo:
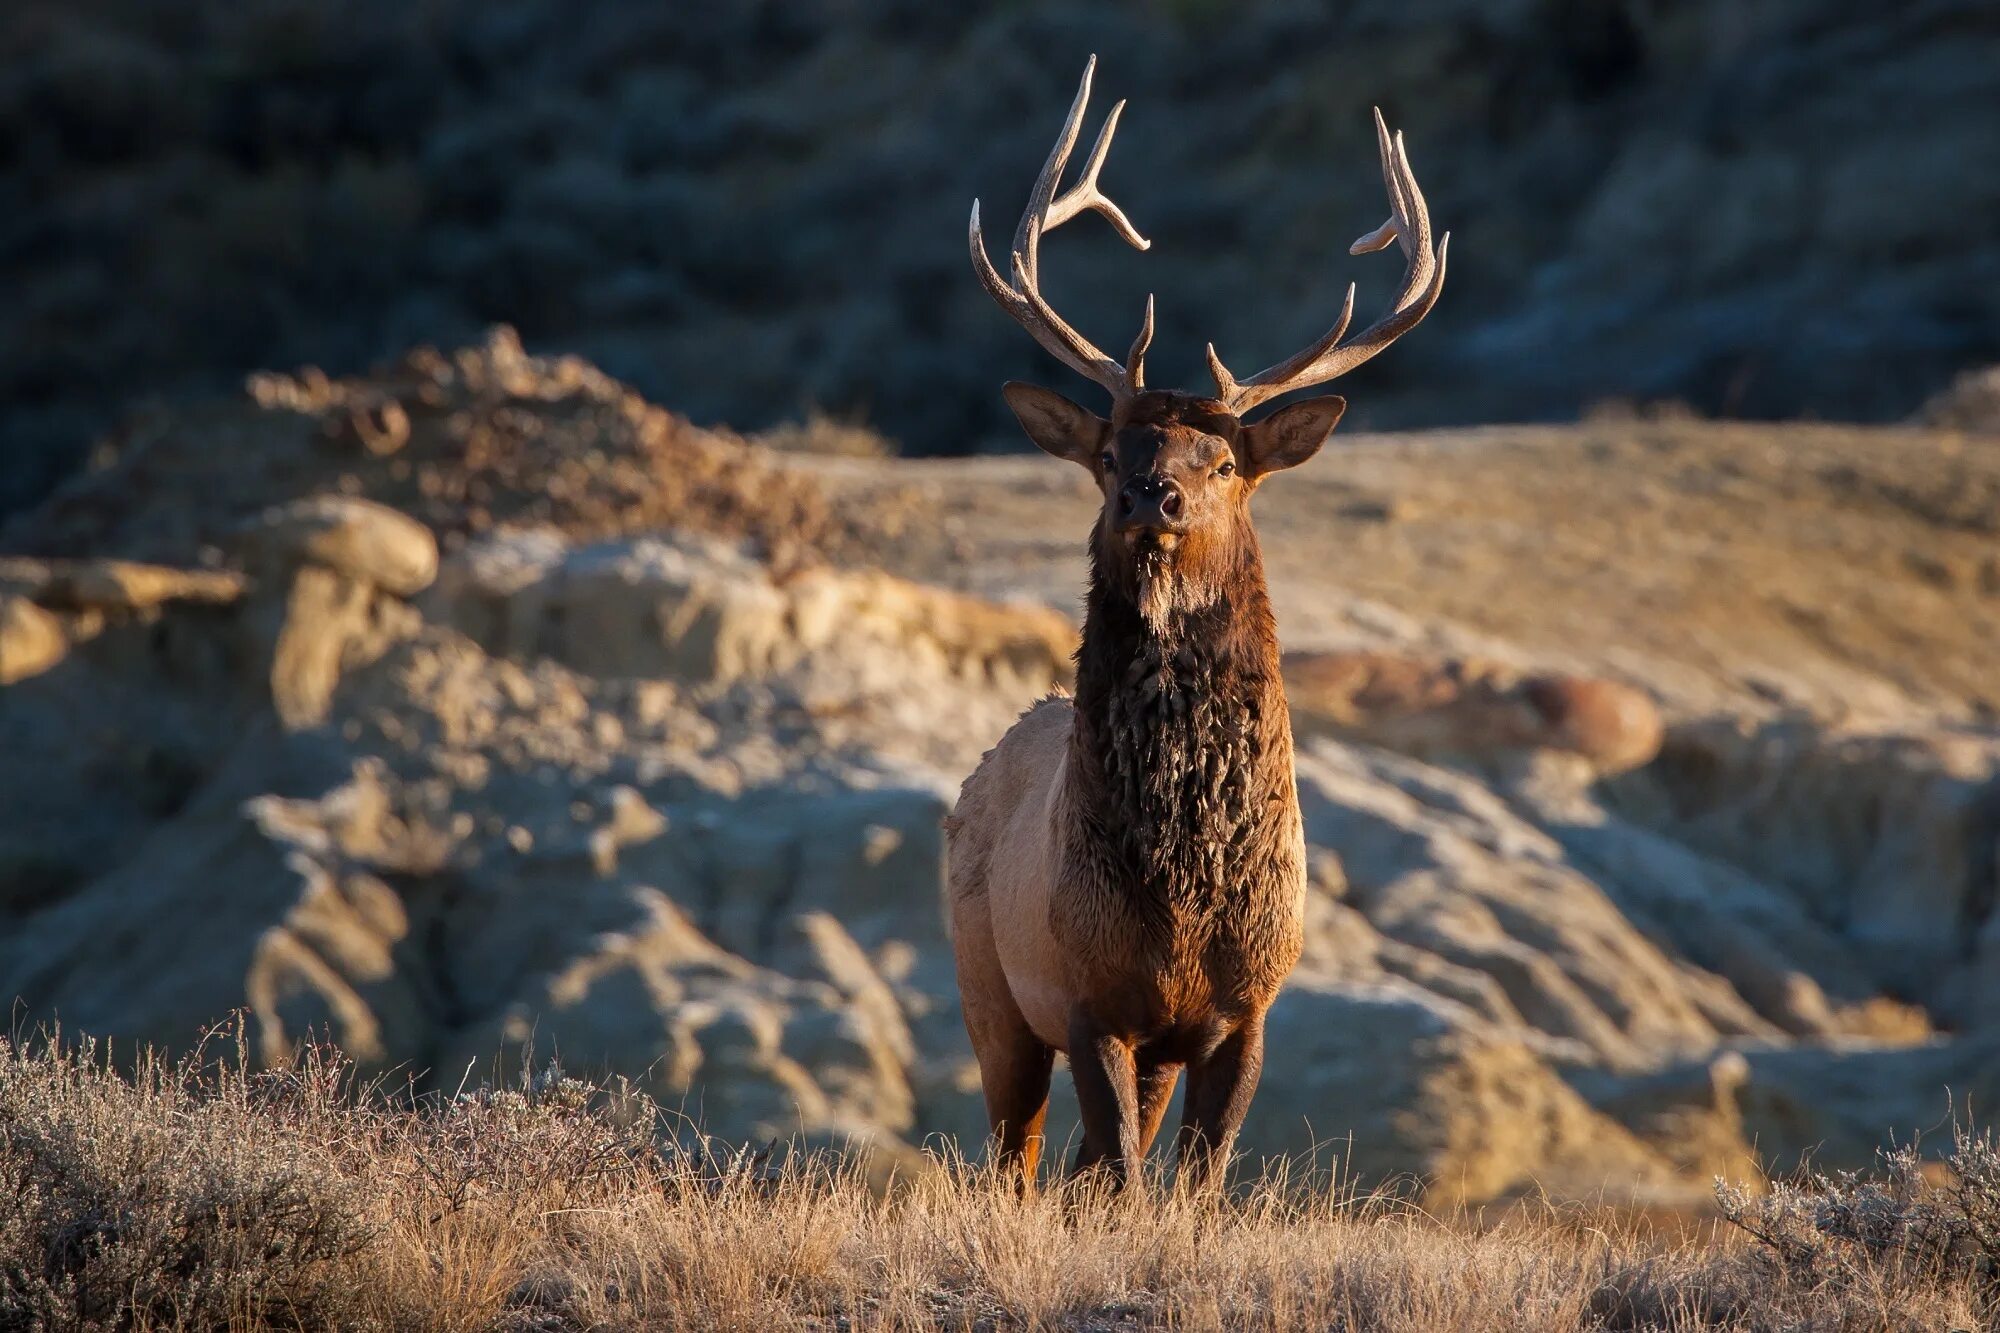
x=1107 y=1094
x=1220 y=1086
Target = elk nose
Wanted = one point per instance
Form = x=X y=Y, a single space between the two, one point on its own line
x=1151 y=503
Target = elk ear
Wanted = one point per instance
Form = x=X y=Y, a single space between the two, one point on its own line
x=1056 y=424
x=1292 y=434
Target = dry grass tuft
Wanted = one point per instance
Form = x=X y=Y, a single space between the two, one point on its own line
x=197 y=1195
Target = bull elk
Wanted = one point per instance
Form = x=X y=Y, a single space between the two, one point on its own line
x=1126 y=867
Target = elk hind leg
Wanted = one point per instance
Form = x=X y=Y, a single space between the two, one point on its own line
x=1220 y=1086
x=1014 y=1064
x=1014 y=1069
x=1156 y=1090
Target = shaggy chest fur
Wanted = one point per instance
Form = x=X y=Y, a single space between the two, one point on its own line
x=1186 y=842
x=1182 y=767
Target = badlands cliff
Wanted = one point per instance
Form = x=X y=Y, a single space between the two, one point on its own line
x=477 y=712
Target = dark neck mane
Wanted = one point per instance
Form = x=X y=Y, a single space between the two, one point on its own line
x=1181 y=743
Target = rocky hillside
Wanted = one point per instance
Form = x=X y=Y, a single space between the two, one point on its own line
x=749 y=209
x=478 y=711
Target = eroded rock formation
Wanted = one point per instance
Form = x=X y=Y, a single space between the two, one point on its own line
x=666 y=802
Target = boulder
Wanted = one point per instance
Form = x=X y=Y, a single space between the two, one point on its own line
x=1466 y=708
x=703 y=612
x=364 y=541
x=339 y=567
x=684 y=609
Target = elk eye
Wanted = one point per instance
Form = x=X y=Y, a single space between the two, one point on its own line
x=1107 y=460
x=1228 y=468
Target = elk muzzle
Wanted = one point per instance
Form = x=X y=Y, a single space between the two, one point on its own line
x=1150 y=504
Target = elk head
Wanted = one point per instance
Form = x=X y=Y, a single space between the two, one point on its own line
x=1177 y=469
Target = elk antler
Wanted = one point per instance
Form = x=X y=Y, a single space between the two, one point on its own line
x=1409 y=225
x=1022 y=297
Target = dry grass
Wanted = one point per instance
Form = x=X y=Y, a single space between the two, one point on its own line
x=197 y=1196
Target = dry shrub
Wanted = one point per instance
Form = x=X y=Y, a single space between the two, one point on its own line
x=198 y=1195
x=184 y=1196
x=1911 y=1223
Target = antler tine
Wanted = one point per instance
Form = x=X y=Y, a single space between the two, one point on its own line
x=1290 y=368
x=1086 y=193
x=1021 y=297
x=1409 y=225
x=1035 y=218
x=1023 y=303
x=1409 y=220
x=1135 y=360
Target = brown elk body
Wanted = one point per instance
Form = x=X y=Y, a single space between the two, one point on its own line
x=1127 y=867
